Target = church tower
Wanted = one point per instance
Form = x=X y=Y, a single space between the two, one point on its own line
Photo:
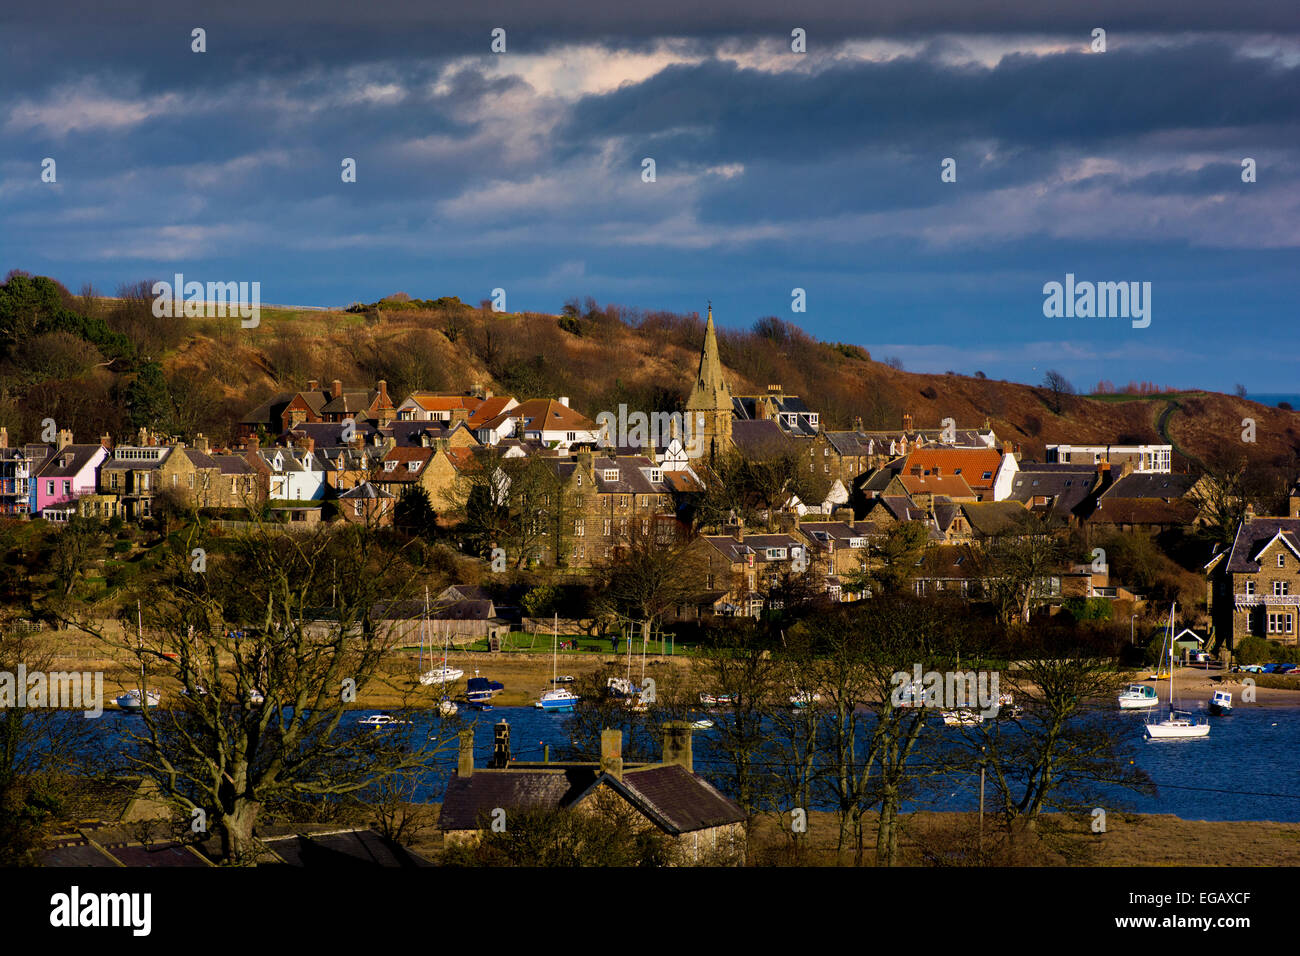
x=709 y=407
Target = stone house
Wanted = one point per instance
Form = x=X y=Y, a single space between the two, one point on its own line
x=1253 y=587
x=667 y=798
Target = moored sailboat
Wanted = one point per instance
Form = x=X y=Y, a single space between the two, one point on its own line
x=1179 y=724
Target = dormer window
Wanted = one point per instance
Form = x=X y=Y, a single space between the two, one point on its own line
x=656 y=476
x=776 y=554
x=609 y=474
x=390 y=466
x=412 y=466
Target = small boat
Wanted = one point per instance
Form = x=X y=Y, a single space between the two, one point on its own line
x=803 y=698
x=382 y=720
x=620 y=687
x=705 y=724
x=1179 y=724
x=1138 y=696
x=717 y=700
x=441 y=675
x=962 y=717
x=563 y=679
x=256 y=697
x=637 y=704
x=1221 y=703
x=557 y=699
x=438 y=675
x=131 y=700
x=560 y=700
x=479 y=691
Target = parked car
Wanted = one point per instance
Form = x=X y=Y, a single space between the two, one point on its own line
x=1250 y=668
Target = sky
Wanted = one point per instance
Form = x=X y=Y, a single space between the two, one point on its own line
x=773 y=170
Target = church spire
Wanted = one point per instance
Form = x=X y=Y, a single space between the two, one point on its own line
x=709 y=406
x=711 y=392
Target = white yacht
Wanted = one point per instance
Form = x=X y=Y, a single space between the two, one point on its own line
x=1180 y=724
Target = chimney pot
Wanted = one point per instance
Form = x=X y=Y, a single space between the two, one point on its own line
x=677 y=745
x=611 y=753
x=313 y=385
x=465 y=761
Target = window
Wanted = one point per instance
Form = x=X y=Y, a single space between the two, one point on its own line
x=1281 y=588
x=608 y=526
x=571 y=436
x=67 y=487
x=390 y=466
x=988 y=475
x=356 y=508
x=1250 y=586
x=656 y=476
x=622 y=501
x=579 y=527
x=234 y=487
x=412 y=466
x=49 y=488
x=191 y=480
x=1281 y=560
x=776 y=554
x=1279 y=623
x=609 y=474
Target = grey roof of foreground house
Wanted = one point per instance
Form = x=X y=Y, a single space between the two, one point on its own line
x=675 y=799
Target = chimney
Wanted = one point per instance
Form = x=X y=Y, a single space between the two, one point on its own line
x=487 y=393
x=1006 y=448
x=383 y=393
x=857 y=423
x=907 y=421
x=65 y=437
x=142 y=437
x=4 y=437
x=253 y=442
x=564 y=400
x=611 y=753
x=313 y=385
x=458 y=415
x=740 y=529
x=336 y=389
x=202 y=444
x=465 y=763
x=677 y=745
x=500 y=745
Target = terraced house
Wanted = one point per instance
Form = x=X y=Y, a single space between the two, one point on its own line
x=1254 y=586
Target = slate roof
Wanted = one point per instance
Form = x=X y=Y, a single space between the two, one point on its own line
x=200 y=459
x=1253 y=535
x=68 y=461
x=1068 y=487
x=992 y=518
x=1167 y=487
x=365 y=490
x=756 y=544
x=470 y=800
x=327 y=434
x=757 y=438
x=672 y=797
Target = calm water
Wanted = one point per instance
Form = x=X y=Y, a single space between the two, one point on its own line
x=1245 y=770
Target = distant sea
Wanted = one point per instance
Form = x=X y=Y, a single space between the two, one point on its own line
x=1272 y=398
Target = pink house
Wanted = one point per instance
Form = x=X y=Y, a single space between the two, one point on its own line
x=67 y=473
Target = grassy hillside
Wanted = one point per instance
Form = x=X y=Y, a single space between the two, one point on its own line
x=215 y=370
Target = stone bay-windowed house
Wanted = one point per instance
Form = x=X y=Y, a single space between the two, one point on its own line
x=667 y=798
x=1254 y=586
x=742 y=569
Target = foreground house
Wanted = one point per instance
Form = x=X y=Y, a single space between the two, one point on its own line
x=667 y=797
